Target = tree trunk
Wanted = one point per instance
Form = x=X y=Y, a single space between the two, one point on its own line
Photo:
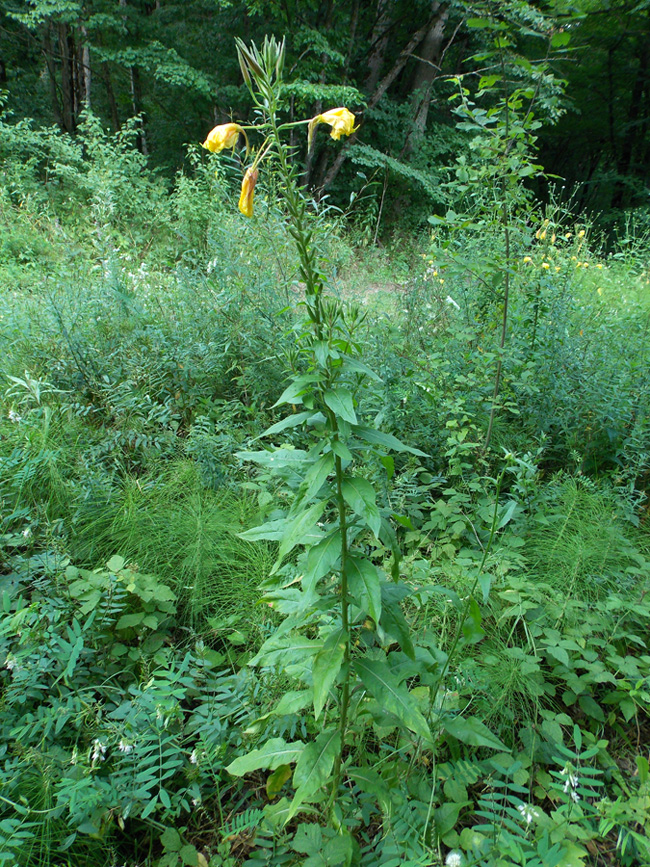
x=69 y=95
x=378 y=43
x=84 y=68
x=621 y=196
x=381 y=89
x=48 y=52
x=425 y=74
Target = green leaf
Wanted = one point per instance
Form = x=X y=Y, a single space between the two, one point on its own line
x=293 y=393
x=470 y=730
x=116 y=563
x=314 y=767
x=382 y=684
x=171 y=840
x=189 y=855
x=273 y=530
x=365 y=585
x=326 y=666
x=276 y=781
x=360 y=496
x=315 y=477
x=559 y=40
x=340 y=401
x=392 y=619
x=275 y=458
x=288 y=422
x=274 y=753
x=379 y=438
x=322 y=558
x=371 y=783
x=128 y=621
x=298 y=528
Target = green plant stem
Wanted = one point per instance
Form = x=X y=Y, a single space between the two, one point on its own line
x=345 y=625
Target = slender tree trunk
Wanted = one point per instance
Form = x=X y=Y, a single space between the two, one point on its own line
x=48 y=52
x=379 y=44
x=425 y=74
x=110 y=95
x=69 y=96
x=84 y=68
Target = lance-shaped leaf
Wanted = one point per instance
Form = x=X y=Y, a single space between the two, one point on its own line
x=382 y=684
x=294 y=391
x=288 y=422
x=298 y=528
x=339 y=400
x=364 y=583
x=470 y=730
x=274 y=753
x=275 y=458
x=314 y=767
x=315 y=477
x=360 y=496
x=286 y=649
x=321 y=559
x=326 y=667
x=388 y=441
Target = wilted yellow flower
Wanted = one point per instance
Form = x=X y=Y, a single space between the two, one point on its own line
x=543 y=235
x=581 y=233
x=553 y=238
x=568 y=235
x=247 y=191
x=340 y=119
x=599 y=266
x=223 y=136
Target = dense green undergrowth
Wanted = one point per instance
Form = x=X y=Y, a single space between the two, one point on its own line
x=145 y=335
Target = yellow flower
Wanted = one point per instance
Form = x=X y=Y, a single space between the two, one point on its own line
x=527 y=259
x=581 y=233
x=340 y=119
x=224 y=136
x=247 y=191
x=545 y=265
x=568 y=235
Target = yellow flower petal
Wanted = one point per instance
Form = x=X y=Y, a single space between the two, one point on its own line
x=340 y=119
x=247 y=192
x=223 y=136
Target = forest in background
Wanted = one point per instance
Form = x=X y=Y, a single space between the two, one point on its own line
x=171 y=65
x=324 y=527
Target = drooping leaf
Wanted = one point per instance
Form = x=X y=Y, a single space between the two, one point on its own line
x=470 y=730
x=364 y=582
x=382 y=684
x=326 y=667
x=294 y=391
x=315 y=477
x=299 y=527
x=388 y=441
x=288 y=422
x=276 y=780
x=274 y=753
x=360 y=496
x=339 y=400
x=322 y=558
x=314 y=767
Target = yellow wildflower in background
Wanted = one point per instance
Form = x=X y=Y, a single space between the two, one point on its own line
x=247 y=192
x=545 y=265
x=223 y=136
x=527 y=260
x=340 y=119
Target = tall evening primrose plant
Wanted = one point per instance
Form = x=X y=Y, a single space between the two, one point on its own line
x=342 y=618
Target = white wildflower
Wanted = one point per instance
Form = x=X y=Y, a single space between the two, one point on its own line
x=454 y=859
x=450 y=300
x=10 y=662
x=528 y=813
x=14 y=417
x=99 y=751
x=575 y=796
x=27 y=533
x=74 y=756
x=196 y=802
x=125 y=747
x=193 y=758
